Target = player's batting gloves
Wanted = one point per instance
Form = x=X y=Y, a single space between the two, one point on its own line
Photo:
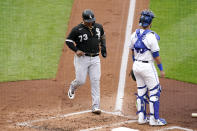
x=104 y=53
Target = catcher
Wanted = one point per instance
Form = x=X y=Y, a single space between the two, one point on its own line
x=145 y=50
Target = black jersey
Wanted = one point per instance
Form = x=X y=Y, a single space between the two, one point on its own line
x=86 y=39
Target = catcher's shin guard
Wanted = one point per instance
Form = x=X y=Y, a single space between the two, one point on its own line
x=142 y=100
x=154 y=106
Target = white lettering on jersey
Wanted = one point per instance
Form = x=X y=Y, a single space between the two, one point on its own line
x=98 y=33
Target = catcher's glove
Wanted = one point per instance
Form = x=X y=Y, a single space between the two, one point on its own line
x=132 y=75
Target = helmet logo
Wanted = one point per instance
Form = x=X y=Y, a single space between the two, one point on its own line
x=88 y=16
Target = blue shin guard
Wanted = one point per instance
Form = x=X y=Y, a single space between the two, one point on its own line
x=142 y=101
x=154 y=99
x=155 y=120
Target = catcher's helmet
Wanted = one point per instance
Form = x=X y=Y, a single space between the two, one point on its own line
x=146 y=18
x=88 y=16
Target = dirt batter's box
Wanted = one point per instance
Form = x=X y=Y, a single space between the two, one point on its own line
x=77 y=121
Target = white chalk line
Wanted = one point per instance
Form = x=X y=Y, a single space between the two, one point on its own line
x=29 y=123
x=133 y=121
x=175 y=127
x=120 y=93
x=110 y=125
x=121 y=85
x=123 y=68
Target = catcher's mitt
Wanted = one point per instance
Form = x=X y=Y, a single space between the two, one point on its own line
x=132 y=75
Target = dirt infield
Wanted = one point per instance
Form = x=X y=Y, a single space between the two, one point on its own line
x=43 y=104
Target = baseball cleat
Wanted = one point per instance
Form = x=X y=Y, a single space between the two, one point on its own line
x=143 y=121
x=96 y=111
x=142 y=118
x=158 y=122
x=71 y=94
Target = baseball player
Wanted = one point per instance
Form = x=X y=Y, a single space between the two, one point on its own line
x=86 y=40
x=145 y=50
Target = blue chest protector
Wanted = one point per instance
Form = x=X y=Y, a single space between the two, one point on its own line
x=139 y=45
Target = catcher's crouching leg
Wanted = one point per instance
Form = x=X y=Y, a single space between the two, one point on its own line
x=142 y=100
x=154 y=107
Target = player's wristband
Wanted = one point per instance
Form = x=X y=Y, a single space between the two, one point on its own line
x=155 y=54
x=160 y=67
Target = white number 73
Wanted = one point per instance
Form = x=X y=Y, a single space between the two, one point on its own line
x=84 y=37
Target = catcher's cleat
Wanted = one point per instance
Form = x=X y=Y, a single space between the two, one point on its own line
x=96 y=111
x=158 y=122
x=143 y=121
x=71 y=93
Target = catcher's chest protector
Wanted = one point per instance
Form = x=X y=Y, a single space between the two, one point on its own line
x=139 y=45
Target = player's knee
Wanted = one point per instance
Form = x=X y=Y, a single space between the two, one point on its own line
x=155 y=93
x=80 y=82
x=95 y=78
x=154 y=98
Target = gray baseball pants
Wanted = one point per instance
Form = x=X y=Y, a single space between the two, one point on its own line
x=88 y=65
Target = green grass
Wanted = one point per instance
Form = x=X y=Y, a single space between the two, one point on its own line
x=32 y=34
x=176 y=23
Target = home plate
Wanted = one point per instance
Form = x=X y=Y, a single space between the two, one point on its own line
x=124 y=129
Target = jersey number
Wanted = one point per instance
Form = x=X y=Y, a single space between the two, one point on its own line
x=83 y=37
